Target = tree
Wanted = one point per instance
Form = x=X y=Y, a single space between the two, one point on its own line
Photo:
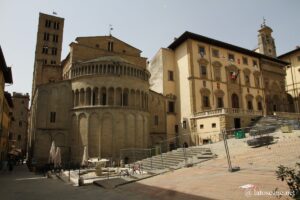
x=292 y=178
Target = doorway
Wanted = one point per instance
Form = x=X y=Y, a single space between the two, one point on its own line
x=274 y=107
x=237 y=123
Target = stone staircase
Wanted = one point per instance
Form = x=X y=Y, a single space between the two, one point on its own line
x=268 y=121
x=177 y=158
x=275 y=121
x=270 y=124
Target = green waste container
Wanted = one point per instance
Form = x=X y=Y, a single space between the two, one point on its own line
x=239 y=134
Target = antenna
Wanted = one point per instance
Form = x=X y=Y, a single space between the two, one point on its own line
x=110 y=29
x=264 y=22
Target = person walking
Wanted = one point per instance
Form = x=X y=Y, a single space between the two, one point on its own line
x=4 y=165
x=10 y=163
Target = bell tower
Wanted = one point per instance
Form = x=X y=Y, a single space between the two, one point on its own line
x=48 y=49
x=266 y=43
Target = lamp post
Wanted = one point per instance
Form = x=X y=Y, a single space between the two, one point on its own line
x=230 y=168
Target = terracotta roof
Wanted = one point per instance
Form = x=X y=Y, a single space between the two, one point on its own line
x=189 y=35
x=109 y=36
x=8 y=99
x=108 y=59
x=6 y=70
x=289 y=53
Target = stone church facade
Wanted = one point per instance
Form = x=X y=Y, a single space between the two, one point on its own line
x=100 y=99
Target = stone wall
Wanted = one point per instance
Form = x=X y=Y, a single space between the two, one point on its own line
x=105 y=131
x=43 y=129
x=157 y=121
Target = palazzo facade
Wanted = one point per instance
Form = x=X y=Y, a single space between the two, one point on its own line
x=211 y=85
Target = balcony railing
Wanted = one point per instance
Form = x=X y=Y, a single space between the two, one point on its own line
x=228 y=111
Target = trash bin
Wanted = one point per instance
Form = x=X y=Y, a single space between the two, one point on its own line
x=239 y=134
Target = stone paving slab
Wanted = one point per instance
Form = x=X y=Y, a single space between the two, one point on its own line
x=113 y=183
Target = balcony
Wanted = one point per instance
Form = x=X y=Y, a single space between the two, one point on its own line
x=228 y=111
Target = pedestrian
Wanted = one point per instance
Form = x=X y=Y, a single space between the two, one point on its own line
x=10 y=163
x=4 y=165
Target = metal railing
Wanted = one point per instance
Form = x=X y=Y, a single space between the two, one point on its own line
x=158 y=157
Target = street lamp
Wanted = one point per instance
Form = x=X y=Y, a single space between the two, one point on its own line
x=230 y=168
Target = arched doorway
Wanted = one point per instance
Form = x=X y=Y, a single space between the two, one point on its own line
x=235 y=100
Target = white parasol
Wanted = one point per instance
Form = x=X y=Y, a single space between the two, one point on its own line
x=52 y=152
x=85 y=157
x=57 y=158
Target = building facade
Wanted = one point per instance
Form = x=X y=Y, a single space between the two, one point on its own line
x=19 y=121
x=104 y=96
x=100 y=99
x=293 y=76
x=210 y=85
x=5 y=106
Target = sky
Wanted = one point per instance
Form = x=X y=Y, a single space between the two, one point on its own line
x=144 y=24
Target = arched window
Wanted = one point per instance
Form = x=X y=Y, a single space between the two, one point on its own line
x=111 y=95
x=259 y=101
x=132 y=98
x=100 y=69
x=259 y=105
x=76 y=98
x=217 y=70
x=220 y=103
x=104 y=69
x=88 y=94
x=203 y=71
x=205 y=100
x=257 y=82
x=81 y=96
x=119 y=96
x=247 y=73
x=249 y=99
x=142 y=99
x=103 y=96
x=94 y=96
x=138 y=99
x=73 y=98
x=125 y=97
x=205 y=95
x=219 y=98
x=235 y=100
x=89 y=69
